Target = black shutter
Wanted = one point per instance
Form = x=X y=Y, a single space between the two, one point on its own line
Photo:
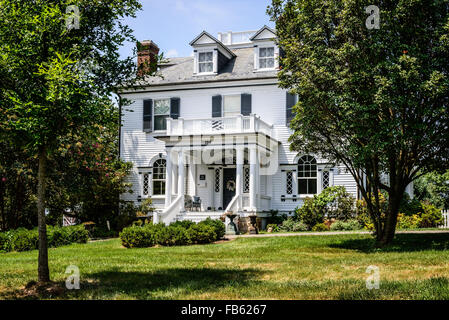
x=291 y=101
x=246 y=104
x=147 y=115
x=175 y=108
x=216 y=106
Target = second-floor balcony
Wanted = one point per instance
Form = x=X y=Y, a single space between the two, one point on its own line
x=226 y=125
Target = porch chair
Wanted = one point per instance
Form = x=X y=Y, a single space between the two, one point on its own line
x=196 y=203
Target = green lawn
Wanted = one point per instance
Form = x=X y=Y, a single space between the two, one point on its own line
x=306 y=267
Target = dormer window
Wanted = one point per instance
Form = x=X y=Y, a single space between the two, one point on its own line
x=205 y=62
x=266 y=58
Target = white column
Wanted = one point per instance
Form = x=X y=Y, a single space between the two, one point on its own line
x=239 y=176
x=192 y=175
x=175 y=173
x=252 y=177
x=168 y=179
x=181 y=178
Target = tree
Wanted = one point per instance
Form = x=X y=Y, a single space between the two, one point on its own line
x=56 y=81
x=375 y=100
x=433 y=187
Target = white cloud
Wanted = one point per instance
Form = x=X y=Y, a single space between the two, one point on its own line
x=172 y=53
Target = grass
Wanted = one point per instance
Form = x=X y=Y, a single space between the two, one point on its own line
x=416 y=266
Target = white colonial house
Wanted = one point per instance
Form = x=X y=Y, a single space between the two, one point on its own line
x=209 y=135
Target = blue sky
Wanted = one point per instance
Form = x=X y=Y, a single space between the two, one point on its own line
x=172 y=24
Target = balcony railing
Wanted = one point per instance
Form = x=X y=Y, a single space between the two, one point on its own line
x=228 y=125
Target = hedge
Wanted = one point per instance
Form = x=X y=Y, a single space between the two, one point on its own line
x=176 y=234
x=24 y=240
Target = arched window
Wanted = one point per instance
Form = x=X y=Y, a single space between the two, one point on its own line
x=307 y=175
x=159 y=173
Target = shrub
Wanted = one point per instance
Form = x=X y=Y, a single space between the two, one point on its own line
x=309 y=213
x=320 y=227
x=201 y=233
x=345 y=225
x=408 y=222
x=171 y=236
x=293 y=226
x=275 y=217
x=274 y=227
x=218 y=225
x=138 y=237
x=431 y=216
x=409 y=206
x=24 y=240
x=176 y=234
x=184 y=223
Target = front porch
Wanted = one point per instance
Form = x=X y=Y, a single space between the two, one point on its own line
x=227 y=172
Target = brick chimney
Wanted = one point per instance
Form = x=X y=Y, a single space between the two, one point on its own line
x=147 y=51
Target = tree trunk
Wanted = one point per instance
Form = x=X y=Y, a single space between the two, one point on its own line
x=43 y=271
x=391 y=219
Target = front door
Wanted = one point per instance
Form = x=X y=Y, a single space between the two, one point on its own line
x=228 y=186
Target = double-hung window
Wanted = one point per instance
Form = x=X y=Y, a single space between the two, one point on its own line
x=159 y=175
x=161 y=113
x=205 y=62
x=266 y=58
x=307 y=175
x=231 y=105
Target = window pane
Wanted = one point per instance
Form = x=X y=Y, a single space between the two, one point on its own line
x=262 y=63
x=162 y=107
x=205 y=57
x=206 y=67
x=270 y=52
x=159 y=187
x=263 y=52
x=231 y=105
x=160 y=122
x=270 y=63
x=312 y=186
x=302 y=186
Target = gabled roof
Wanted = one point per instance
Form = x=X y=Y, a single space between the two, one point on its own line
x=258 y=33
x=179 y=71
x=213 y=39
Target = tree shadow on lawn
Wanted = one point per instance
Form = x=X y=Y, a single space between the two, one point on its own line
x=173 y=283
x=402 y=243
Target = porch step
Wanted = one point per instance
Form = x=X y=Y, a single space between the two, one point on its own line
x=198 y=216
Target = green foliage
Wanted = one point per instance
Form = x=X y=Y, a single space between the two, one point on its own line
x=309 y=213
x=410 y=206
x=431 y=216
x=184 y=223
x=24 y=240
x=334 y=202
x=275 y=217
x=433 y=188
x=320 y=227
x=375 y=100
x=274 y=227
x=218 y=225
x=201 y=233
x=176 y=234
x=363 y=216
x=348 y=225
x=408 y=221
x=292 y=225
x=138 y=237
